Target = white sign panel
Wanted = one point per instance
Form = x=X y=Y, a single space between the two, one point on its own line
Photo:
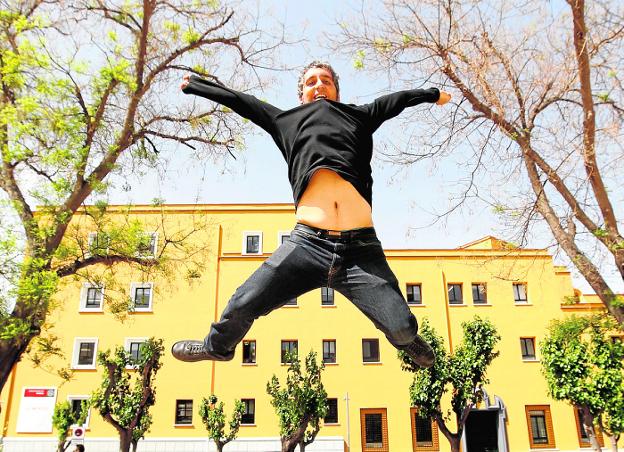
x=36 y=410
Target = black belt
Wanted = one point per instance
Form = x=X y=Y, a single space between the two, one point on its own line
x=367 y=232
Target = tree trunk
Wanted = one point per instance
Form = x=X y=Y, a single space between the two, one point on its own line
x=31 y=312
x=134 y=445
x=125 y=441
x=588 y=424
x=219 y=445
x=11 y=351
x=613 y=439
x=302 y=445
x=453 y=438
x=454 y=442
x=289 y=444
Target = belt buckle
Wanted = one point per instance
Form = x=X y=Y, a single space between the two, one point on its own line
x=334 y=233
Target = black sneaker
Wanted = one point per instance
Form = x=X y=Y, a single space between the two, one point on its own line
x=419 y=352
x=191 y=351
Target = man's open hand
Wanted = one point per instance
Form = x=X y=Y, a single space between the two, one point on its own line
x=187 y=77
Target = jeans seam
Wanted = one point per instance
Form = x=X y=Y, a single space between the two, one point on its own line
x=331 y=269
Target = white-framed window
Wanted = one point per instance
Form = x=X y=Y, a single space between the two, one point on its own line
x=479 y=293
x=184 y=412
x=327 y=296
x=85 y=352
x=141 y=295
x=149 y=245
x=370 y=351
x=98 y=244
x=520 y=293
x=413 y=292
x=75 y=401
x=252 y=242
x=133 y=347
x=332 y=412
x=455 y=295
x=91 y=298
x=282 y=236
x=249 y=413
x=527 y=348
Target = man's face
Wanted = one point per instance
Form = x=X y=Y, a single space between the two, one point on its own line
x=318 y=83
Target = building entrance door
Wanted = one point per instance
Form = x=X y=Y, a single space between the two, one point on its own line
x=482 y=431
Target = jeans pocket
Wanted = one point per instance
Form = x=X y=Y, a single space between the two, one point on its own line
x=367 y=242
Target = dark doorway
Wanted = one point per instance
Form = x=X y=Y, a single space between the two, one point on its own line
x=482 y=431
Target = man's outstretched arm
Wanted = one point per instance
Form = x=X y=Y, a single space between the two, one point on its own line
x=390 y=105
x=260 y=113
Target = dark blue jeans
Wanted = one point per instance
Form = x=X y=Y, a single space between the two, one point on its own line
x=353 y=264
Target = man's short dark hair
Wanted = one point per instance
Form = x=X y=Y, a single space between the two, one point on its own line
x=322 y=65
x=80 y=448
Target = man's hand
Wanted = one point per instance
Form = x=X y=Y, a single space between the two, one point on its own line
x=444 y=98
x=187 y=77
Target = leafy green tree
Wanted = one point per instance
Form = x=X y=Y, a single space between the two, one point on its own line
x=63 y=419
x=127 y=391
x=461 y=372
x=87 y=93
x=584 y=366
x=300 y=404
x=213 y=417
x=540 y=144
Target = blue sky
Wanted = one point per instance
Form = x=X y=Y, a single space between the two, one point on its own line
x=402 y=196
x=403 y=199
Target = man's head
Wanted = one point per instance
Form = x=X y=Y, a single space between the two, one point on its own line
x=79 y=448
x=317 y=81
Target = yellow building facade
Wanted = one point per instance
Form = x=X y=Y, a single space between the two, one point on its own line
x=520 y=290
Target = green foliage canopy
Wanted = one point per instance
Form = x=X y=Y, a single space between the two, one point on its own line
x=64 y=417
x=213 y=416
x=127 y=390
x=302 y=402
x=462 y=373
x=583 y=365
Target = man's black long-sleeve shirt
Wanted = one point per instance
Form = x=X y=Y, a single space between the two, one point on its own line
x=320 y=134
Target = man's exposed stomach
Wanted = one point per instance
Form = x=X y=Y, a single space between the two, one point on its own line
x=330 y=202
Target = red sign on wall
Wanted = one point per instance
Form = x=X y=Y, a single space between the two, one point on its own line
x=39 y=393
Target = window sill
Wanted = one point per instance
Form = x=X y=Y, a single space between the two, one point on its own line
x=330 y=306
x=372 y=363
x=416 y=305
x=248 y=425
x=91 y=311
x=84 y=367
x=330 y=364
x=141 y=311
x=482 y=304
x=183 y=426
x=528 y=304
x=291 y=306
x=249 y=364
x=530 y=360
x=331 y=424
x=457 y=305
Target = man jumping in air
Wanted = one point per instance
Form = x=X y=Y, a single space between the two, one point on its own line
x=328 y=147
